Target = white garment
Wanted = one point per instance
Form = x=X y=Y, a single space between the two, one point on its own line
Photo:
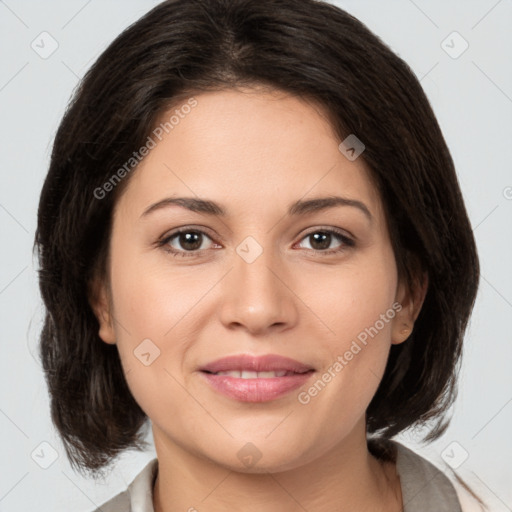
x=424 y=487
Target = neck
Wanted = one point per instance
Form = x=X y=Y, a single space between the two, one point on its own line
x=346 y=478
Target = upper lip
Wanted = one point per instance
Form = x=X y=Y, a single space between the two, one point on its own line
x=247 y=362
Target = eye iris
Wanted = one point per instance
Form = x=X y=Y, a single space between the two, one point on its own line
x=323 y=239
x=188 y=239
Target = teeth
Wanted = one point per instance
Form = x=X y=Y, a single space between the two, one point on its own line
x=253 y=375
x=268 y=375
x=229 y=374
x=249 y=375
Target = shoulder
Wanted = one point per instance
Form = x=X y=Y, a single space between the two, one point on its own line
x=424 y=486
x=119 y=503
x=139 y=494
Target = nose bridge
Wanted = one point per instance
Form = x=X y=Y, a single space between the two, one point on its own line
x=255 y=297
x=252 y=271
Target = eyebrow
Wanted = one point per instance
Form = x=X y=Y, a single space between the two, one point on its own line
x=299 y=207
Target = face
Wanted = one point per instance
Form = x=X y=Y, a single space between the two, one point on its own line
x=272 y=275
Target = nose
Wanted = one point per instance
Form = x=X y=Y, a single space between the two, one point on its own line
x=258 y=295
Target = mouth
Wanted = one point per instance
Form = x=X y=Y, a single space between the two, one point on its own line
x=248 y=364
x=249 y=378
x=246 y=374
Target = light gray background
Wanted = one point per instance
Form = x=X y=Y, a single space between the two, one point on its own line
x=472 y=98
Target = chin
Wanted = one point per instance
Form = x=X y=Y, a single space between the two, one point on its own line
x=262 y=458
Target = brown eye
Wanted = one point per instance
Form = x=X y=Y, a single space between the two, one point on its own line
x=185 y=242
x=321 y=240
x=190 y=241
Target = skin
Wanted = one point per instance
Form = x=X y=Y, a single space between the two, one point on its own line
x=255 y=152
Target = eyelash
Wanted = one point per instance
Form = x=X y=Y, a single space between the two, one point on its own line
x=347 y=242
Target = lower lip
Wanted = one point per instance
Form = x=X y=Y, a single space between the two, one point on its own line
x=256 y=390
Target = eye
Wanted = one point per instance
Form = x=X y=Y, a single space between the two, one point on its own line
x=189 y=242
x=321 y=239
x=185 y=242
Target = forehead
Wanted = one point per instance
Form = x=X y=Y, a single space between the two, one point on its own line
x=253 y=150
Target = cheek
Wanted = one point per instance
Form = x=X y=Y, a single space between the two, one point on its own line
x=152 y=301
x=352 y=299
x=157 y=314
x=356 y=304
x=149 y=315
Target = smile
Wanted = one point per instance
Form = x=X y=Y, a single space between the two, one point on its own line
x=243 y=374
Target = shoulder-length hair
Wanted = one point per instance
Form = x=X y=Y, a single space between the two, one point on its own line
x=310 y=49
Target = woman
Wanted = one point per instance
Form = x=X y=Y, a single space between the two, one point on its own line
x=252 y=237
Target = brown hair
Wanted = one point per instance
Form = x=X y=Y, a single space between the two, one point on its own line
x=311 y=49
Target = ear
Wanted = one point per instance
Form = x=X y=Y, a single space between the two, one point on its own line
x=99 y=299
x=411 y=301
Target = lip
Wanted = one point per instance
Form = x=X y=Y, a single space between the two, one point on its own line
x=246 y=362
x=257 y=389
